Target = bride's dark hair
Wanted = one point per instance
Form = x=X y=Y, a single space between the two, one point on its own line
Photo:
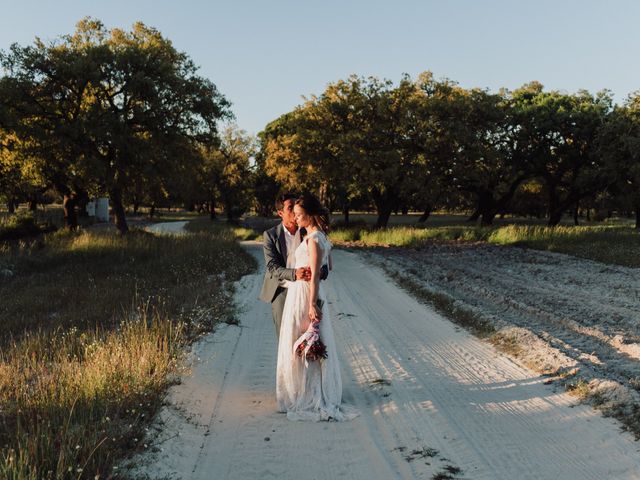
x=312 y=206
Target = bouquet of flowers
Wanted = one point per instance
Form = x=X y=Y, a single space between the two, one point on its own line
x=309 y=346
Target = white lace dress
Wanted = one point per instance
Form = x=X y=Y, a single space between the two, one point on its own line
x=312 y=391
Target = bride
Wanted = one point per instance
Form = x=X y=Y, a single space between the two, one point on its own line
x=309 y=389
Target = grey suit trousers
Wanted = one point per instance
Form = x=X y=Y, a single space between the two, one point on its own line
x=277 y=307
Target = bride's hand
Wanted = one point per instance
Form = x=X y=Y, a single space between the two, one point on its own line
x=315 y=315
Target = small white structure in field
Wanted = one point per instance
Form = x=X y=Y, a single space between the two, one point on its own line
x=102 y=209
x=91 y=208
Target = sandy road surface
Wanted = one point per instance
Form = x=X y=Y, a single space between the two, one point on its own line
x=578 y=314
x=432 y=398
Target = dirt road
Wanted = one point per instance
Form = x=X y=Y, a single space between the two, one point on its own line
x=434 y=400
x=565 y=313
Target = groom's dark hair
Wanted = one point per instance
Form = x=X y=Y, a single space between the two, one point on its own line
x=283 y=197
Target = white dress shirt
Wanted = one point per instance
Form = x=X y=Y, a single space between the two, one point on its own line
x=293 y=242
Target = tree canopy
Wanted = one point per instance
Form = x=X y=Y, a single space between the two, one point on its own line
x=100 y=109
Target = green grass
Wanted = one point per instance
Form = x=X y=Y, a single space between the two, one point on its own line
x=616 y=244
x=21 y=225
x=93 y=329
x=166 y=215
x=607 y=244
x=205 y=224
x=407 y=236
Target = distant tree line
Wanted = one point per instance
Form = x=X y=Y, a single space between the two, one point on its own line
x=430 y=144
x=121 y=114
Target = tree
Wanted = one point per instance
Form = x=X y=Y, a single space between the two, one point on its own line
x=228 y=173
x=561 y=130
x=618 y=145
x=389 y=139
x=18 y=180
x=106 y=107
x=491 y=159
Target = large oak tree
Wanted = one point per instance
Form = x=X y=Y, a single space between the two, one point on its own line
x=101 y=108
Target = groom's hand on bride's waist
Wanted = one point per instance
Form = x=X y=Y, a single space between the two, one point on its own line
x=304 y=273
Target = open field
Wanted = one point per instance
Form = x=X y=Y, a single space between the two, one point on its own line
x=94 y=327
x=572 y=319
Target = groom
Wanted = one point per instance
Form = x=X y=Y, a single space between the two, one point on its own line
x=279 y=244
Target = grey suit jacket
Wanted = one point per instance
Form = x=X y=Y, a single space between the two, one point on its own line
x=275 y=259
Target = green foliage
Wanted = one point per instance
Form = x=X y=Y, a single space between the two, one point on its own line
x=427 y=143
x=560 y=131
x=227 y=172
x=113 y=112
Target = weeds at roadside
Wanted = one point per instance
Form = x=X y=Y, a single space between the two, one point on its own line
x=449 y=473
x=94 y=327
x=424 y=452
x=578 y=388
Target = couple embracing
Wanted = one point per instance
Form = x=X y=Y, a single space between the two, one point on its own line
x=297 y=257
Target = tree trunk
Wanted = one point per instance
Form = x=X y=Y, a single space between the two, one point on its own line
x=152 y=210
x=11 y=206
x=486 y=207
x=33 y=204
x=69 y=202
x=385 y=204
x=345 y=212
x=474 y=216
x=384 y=213
x=212 y=208
x=575 y=213
x=82 y=199
x=405 y=210
x=638 y=216
x=555 y=211
x=554 y=217
x=558 y=207
x=120 y=218
x=487 y=218
x=427 y=212
x=228 y=208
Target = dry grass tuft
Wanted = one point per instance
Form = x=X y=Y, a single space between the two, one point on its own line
x=93 y=329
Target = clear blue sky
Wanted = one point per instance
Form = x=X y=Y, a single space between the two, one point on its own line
x=265 y=54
